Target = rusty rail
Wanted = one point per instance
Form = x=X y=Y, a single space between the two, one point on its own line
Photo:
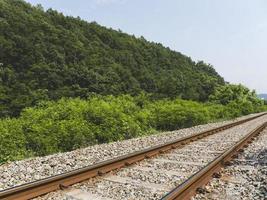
x=188 y=189
x=44 y=186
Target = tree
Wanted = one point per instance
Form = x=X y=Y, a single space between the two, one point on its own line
x=234 y=93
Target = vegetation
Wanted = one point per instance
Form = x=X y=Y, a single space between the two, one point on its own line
x=238 y=97
x=46 y=56
x=68 y=124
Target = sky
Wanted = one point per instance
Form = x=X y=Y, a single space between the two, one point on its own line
x=231 y=35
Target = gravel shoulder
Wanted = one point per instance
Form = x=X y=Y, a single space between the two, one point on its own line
x=20 y=172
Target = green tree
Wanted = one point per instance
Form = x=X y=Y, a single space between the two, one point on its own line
x=49 y=56
x=230 y=92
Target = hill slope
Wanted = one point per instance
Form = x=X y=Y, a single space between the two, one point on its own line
x=46 y=55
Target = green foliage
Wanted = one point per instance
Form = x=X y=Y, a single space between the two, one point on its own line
x=171 y=115
x=238 y=93
x=47 y=56
x=67 y=124
x=239 y=99
x=12 y=140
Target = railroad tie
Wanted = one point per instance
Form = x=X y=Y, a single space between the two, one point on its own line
x=162 y=171
x=126 y=180
x=179 y=162
x=77 y=194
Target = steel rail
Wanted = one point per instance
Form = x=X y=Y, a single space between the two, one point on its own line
x=44 y=186
x=189 y=188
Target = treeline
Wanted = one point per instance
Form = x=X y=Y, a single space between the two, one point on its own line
x=68 y=124
x=45 y=55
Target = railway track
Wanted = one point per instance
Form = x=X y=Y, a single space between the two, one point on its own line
x=175 y=170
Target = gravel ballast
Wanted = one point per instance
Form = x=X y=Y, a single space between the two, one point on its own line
x=245 y=178
x=20 y=172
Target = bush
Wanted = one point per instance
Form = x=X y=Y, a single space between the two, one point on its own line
x=57 y=126
x=171 y=115
x=72 y=123
x=117 y=118
x=69 y=124
x=12 y=140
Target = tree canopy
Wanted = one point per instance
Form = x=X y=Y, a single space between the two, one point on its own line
x=231 y=92
x=45 y=55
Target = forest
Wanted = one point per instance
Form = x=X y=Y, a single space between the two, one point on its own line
x=66 y=83
x=46 y=56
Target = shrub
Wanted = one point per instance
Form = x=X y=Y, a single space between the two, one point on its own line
x=57 y=126
x=69 y=124
x=171 y=115
x=12 y=140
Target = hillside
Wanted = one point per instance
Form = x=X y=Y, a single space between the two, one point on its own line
x=45 y=55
